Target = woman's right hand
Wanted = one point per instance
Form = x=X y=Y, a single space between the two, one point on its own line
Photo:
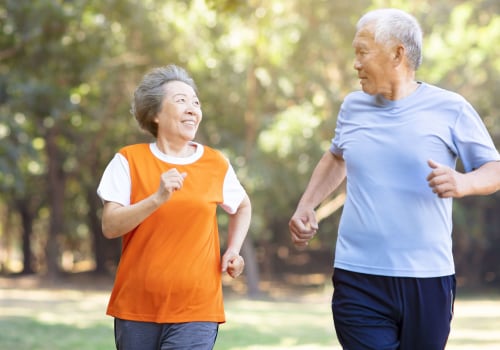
x=170 y=181
x=117 y=219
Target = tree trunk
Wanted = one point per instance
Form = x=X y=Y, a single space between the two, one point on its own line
x=96 y=229
x=56 y=190
x=251 y=267
x=27 y=230
x=5 y=239
x=248 y=251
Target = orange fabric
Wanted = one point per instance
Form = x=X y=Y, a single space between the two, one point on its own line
x=169 y=271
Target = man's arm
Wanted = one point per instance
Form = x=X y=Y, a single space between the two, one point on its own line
x=447 y=182
x=326 y=177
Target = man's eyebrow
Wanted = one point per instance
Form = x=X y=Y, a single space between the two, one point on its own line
x=358 y=43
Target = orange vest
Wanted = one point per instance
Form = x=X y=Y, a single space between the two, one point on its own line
x=169 y=271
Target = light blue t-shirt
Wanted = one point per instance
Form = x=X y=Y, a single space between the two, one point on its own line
x=392 y=223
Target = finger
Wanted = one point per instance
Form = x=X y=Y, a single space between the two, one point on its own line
x=296 y=225
x=313 y=223
x=224 y=264
x=447 y=194
x=228 y=261
x=236 y=266
x=174 y=185
x=444 y=190
x=302 y=235
x=433 y=164
x=300 y=226
x=309 y=221
x=301 y=241
x=178 y=181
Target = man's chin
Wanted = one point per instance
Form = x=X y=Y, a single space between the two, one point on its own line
x=368 y=91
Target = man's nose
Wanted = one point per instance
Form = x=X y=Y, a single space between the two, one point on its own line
x=356 y=64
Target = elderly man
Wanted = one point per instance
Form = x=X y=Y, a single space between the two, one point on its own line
x=397 y=143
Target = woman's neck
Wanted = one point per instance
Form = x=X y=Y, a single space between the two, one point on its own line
x=176 y=150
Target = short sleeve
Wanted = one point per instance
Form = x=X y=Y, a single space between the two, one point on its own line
x=474 y=144
x=335 y=147
x=115 y=185
x=233 y=192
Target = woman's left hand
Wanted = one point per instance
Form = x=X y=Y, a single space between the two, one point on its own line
x=233 y=264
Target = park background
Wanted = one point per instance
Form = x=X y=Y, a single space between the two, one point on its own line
x=271 y=76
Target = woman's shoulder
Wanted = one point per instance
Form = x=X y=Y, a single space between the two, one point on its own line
x=215 y=154
x=137 y=147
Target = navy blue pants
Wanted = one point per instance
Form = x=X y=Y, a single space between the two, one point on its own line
x=389 y=313
x=133 y=335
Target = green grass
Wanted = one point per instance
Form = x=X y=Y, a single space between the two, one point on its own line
x=60 y=319
x=276 y=325
x=54 y=320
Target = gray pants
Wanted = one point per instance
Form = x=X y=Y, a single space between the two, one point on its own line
x=133 y=335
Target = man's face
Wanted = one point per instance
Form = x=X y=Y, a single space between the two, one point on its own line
x=374 y=63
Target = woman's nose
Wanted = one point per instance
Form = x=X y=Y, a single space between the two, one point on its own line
x=193 y=108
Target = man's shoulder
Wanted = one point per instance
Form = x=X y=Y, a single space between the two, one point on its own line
x=356 y=95
x=437 y=92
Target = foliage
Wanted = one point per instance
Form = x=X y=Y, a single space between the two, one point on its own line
x=271 y=75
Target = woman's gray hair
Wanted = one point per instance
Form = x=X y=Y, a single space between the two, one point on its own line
x=393 y=26
x=149 y=94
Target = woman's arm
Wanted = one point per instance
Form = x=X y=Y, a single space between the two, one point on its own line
x=239 y=223
x=118 y=220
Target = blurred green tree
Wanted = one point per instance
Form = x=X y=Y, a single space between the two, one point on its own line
x=271 y=75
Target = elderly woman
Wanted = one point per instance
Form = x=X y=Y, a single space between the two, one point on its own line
x=161 y=198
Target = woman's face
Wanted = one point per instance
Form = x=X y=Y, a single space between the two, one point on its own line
x=180 y=113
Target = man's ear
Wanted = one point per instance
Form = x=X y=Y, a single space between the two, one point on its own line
x=398 y=54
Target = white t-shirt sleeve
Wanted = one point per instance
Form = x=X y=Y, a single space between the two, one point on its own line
x=115 y=185
x=232 y=192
